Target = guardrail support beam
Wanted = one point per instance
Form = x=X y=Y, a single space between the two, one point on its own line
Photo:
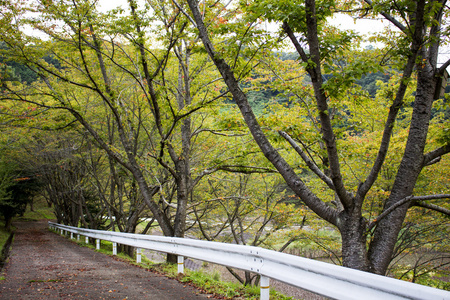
x=180 y=260
x=264 y=283
x=138 y=255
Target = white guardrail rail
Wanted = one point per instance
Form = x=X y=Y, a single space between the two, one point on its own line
x=322 y=278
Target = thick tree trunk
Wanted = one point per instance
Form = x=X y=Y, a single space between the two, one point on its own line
x=128 y=250
x=386 y=232
x=171 y=258
x=183 y=180
x=182 y=199
x=182 y=161
x=353 y=232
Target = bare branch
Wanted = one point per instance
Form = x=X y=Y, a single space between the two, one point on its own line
x=389 y=17
x=294 y=41
x=406 y=200
x=219 y=132
x=184 y=13
x=246 y=169
x=388 y=211
x=434 y=207
x=443 y=67
x=431 y=157
x=431 y=197
x=433 y=161
x=290 y=241
x=311 y=165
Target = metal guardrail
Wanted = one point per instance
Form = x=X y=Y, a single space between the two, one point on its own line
x=325 y=279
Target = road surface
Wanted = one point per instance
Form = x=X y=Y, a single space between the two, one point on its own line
x=44 y=265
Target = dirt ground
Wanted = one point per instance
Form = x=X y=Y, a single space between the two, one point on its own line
x=44 y=265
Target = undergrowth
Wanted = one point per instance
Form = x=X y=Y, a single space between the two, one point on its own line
x=41 y=211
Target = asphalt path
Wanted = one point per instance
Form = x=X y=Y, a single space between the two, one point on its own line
x=44 y=265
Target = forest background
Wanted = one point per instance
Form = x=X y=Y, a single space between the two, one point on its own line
x=192 y=118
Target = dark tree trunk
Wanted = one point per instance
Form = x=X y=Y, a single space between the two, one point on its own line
x=171 y=258
x=387 y=230
x=128 y=250
x=353 y=232
x=8 y=221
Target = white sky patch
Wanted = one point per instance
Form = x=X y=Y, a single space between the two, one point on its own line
x=362 y=26
x=106 y=5
x=365 y=27
x=371 y=26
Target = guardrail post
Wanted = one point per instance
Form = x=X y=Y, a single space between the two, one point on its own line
x=97 y=244
x=71 y=235
x=78 y=237
x=114 y=248
x=138 y=255
x=62 y=232
x=180 y=264
x=264 y=288
x=86 y=240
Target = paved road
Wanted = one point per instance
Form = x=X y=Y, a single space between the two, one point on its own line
x=44 y=265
